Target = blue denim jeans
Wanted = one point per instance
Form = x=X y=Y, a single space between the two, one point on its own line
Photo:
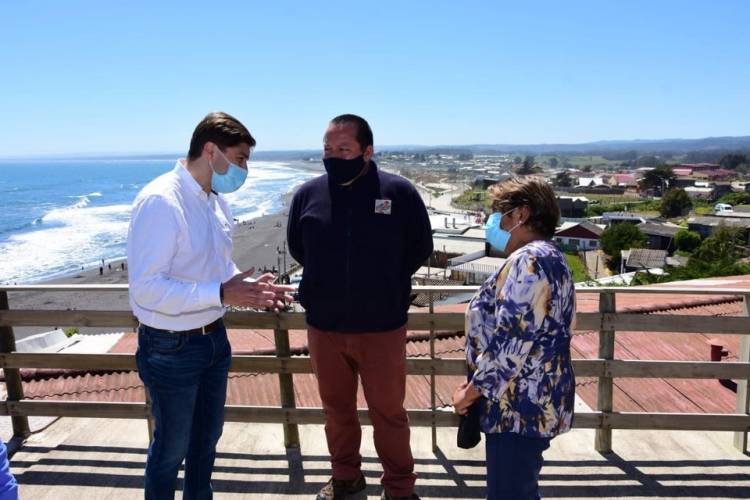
x=513 y=465
x=186 y=377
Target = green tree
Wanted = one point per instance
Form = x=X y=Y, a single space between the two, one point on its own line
x=675 y=203
x=735 y=198
x=620 y=237
x=722 y=248
x=658 y=178
x=648 y=161
x=733 y=160
x=528 y=166
x=517 y=160
x=563 y=179
x=687 y=241
x=586 y=168
x=553 y=162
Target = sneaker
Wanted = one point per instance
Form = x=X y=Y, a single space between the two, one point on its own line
x=339 y=489
x=388 y=496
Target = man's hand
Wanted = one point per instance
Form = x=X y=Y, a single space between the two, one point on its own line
x=261 y=293
x=464 y=397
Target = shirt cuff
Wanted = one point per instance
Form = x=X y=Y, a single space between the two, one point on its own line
x=208 y=294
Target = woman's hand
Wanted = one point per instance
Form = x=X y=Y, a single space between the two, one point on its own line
x=463 y=397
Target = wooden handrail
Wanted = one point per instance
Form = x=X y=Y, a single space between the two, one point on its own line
x=414 y=366
x=420 y=289
x=607 y=322
x=623 y=322
x=418 y=418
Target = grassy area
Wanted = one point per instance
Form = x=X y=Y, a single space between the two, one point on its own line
x=471 y=199
x=582 y=161
x=607 y=199
x=577 y=268
x=578 y=161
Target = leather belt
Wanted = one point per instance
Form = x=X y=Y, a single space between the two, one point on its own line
x=203 y=330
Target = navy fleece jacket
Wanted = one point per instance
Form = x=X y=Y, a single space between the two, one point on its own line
x=359 y=246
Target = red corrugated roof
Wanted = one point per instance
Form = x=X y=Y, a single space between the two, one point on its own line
x=664 y=395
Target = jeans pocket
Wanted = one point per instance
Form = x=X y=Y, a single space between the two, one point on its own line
x=166 y=343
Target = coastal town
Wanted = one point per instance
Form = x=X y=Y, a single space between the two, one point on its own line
x=669 y=209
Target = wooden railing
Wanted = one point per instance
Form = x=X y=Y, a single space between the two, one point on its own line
x=607 y=322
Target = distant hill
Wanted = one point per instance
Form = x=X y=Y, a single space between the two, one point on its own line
x=674 y=146
x=642 y=147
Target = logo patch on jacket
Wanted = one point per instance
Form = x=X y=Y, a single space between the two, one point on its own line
x=383 y=207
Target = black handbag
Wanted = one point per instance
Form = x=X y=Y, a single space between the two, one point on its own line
x=469 y=434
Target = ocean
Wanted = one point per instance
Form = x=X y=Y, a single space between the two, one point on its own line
x=58 y=215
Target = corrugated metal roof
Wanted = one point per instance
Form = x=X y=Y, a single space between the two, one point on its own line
x=644 y=258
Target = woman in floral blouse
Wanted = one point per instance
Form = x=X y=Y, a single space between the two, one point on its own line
x=518 y=340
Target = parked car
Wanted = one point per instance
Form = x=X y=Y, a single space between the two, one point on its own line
x=723 y=208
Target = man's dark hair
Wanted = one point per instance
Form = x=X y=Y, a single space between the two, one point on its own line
x=222 y=129
x=364 y=132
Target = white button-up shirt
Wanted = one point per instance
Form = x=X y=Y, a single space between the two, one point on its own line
x=179 y=252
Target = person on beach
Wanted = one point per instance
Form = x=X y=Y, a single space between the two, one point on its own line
x=518 y=330
x=181 y=276
x=360 y=235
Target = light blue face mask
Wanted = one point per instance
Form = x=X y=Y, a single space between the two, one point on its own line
x=231 y=180
x=496 y=235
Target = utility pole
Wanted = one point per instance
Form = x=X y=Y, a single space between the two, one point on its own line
x=283 y=246
x=278 y=258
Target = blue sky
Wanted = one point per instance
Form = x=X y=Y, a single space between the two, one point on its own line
x=136 y=76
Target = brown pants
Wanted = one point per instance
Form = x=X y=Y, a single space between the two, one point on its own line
x=380 y=360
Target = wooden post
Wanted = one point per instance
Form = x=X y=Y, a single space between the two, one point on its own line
x=286 y=385
x=13 y=383
x=743 y=401
x=603 y=441
x=433 y=397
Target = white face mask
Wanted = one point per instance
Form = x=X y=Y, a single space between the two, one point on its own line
x=229 y=181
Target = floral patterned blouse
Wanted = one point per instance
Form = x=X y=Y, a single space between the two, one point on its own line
x=518 y=330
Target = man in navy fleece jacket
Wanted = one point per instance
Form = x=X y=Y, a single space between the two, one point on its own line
x=360 y=234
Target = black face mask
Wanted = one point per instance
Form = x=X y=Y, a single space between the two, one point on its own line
x=341 y=171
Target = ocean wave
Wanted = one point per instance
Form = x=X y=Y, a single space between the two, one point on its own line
x=81 y=214
x=21 y=227
x=84 y=231
x=47 y=251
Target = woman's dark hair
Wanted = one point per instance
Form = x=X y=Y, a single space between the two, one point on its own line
x=531 y=192
x=222 y=129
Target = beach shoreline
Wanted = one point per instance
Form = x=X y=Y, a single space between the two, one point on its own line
x=255 y=245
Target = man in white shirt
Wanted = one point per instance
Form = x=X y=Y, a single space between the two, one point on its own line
x=181 y=276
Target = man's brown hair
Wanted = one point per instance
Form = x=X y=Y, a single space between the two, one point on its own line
x=222 y=129
x=530 y=192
